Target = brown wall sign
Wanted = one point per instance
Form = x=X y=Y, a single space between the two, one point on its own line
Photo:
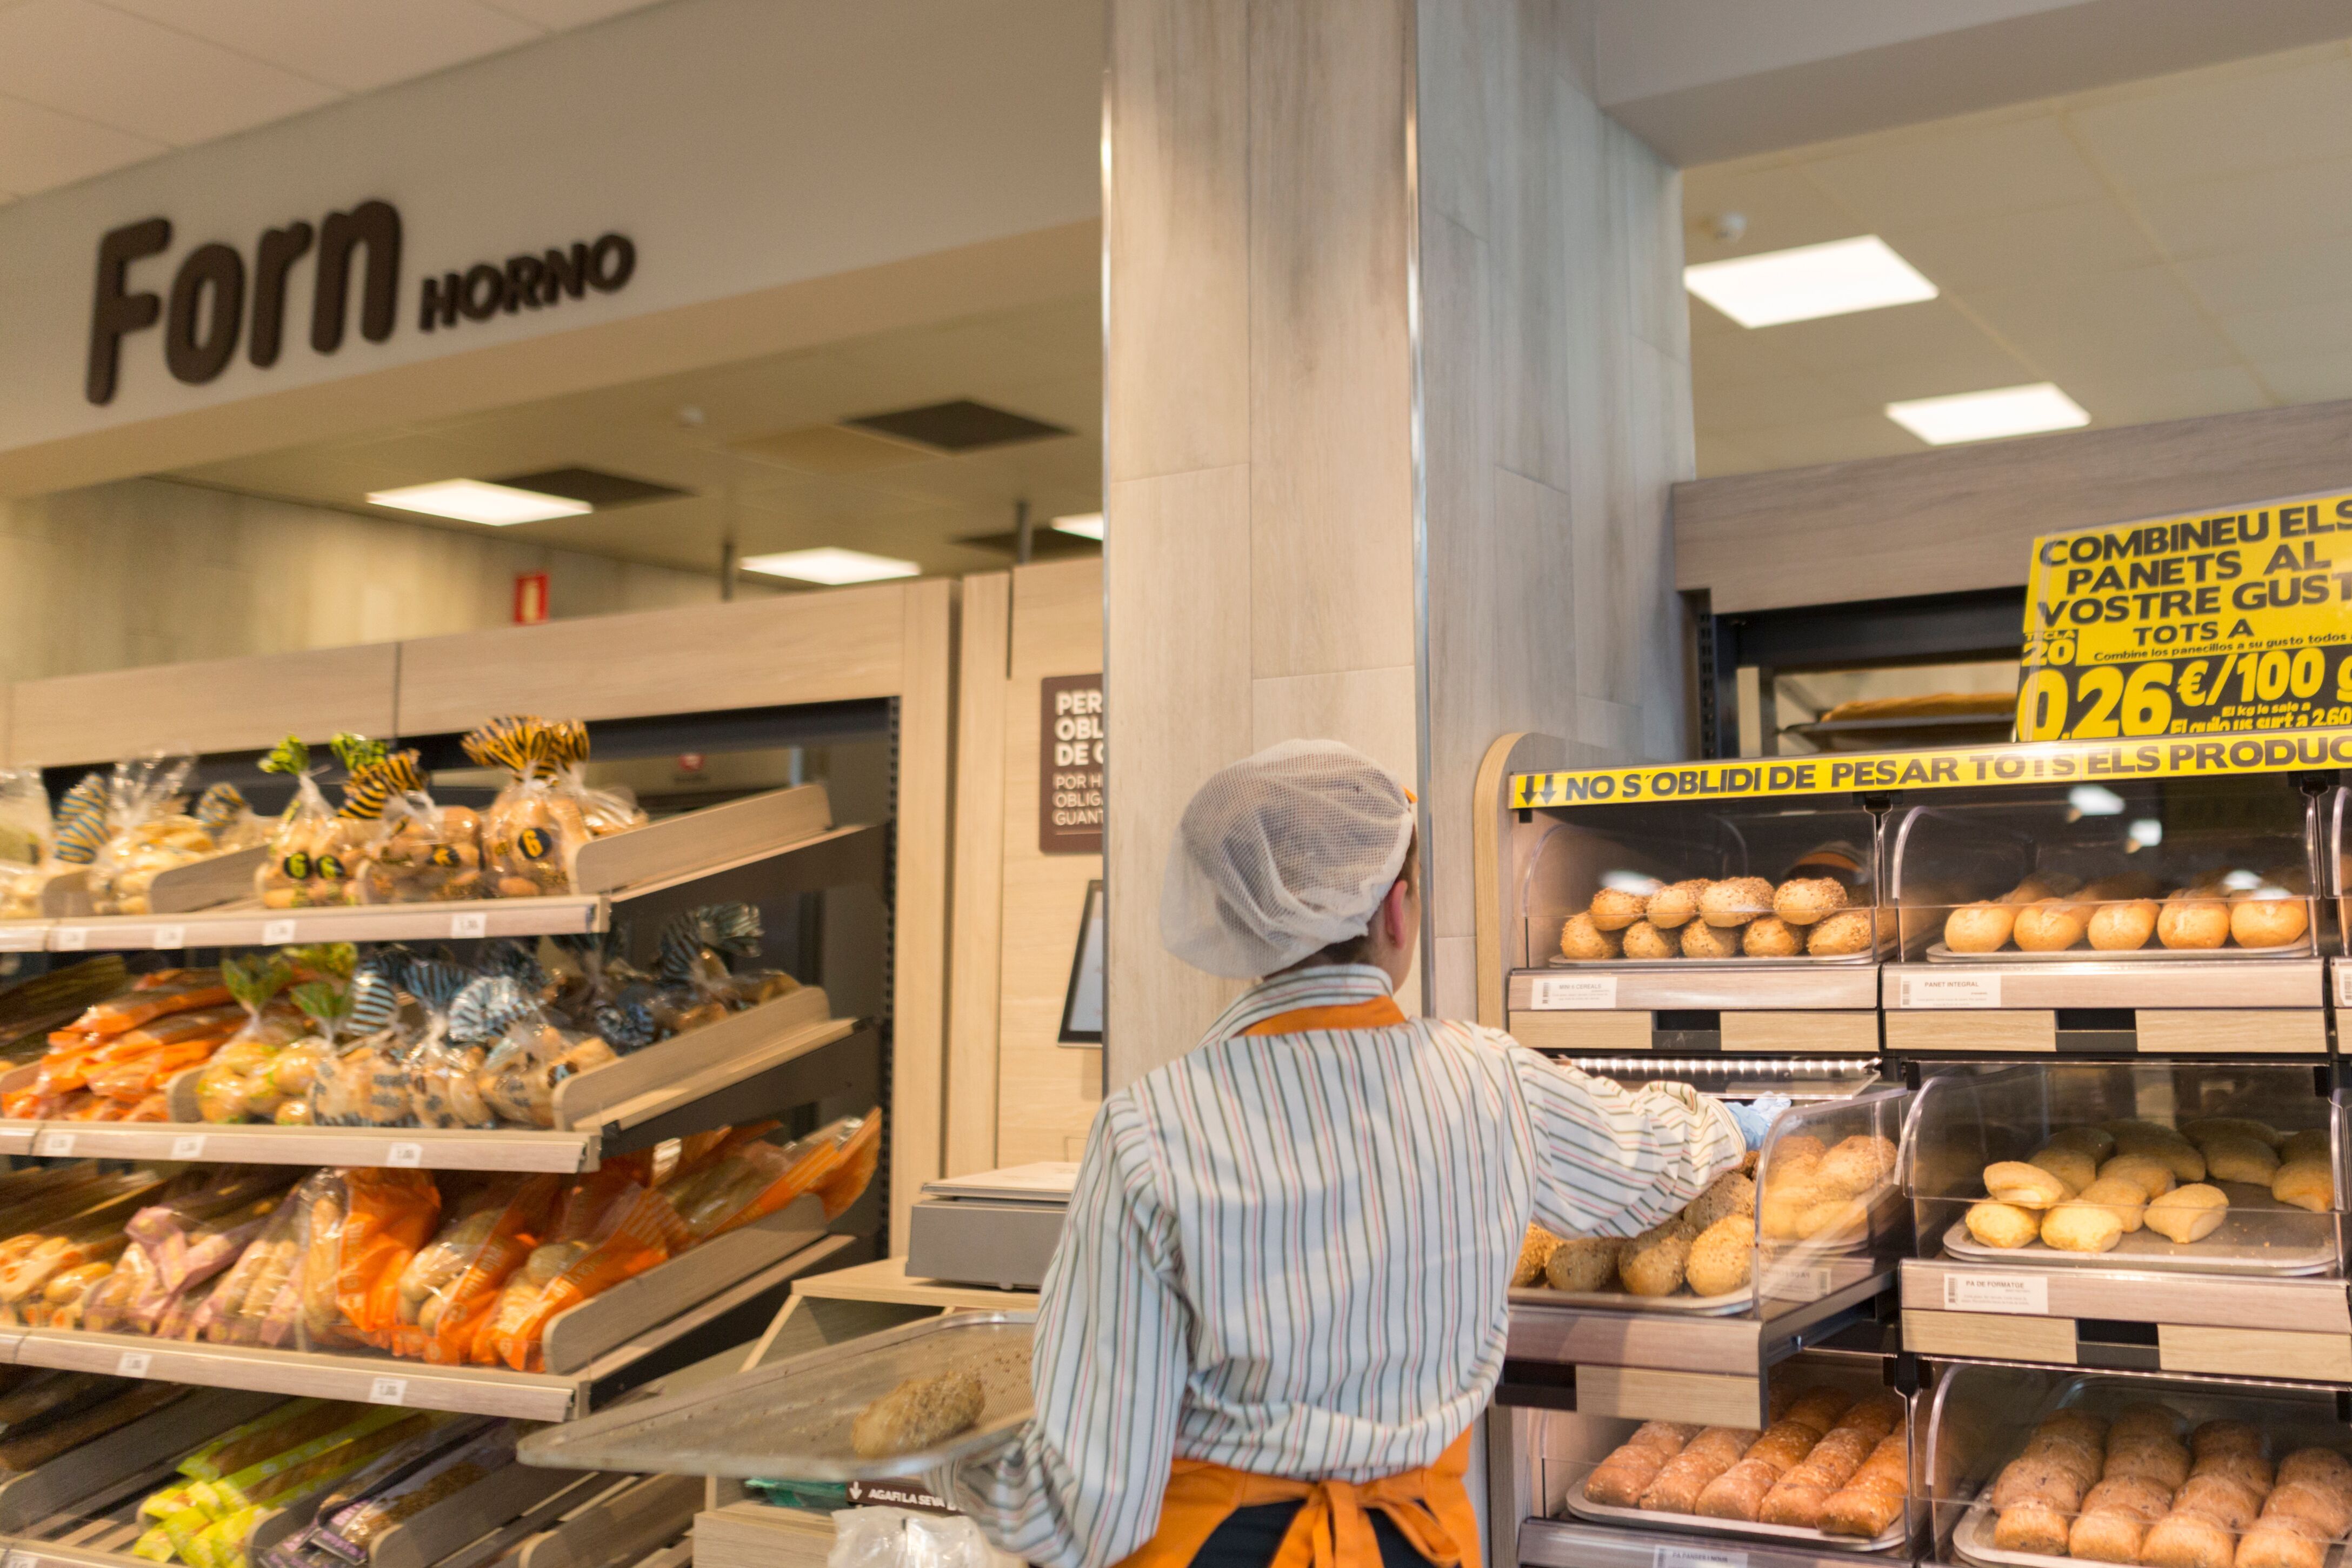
x=1070 y=739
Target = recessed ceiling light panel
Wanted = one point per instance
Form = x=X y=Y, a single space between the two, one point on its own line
x=472 y=501
x=1808 y=282
x=1086 y=525
x=1988 y=415
x=830 y=565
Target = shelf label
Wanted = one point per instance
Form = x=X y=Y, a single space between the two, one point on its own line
x=2343 y=983
x=55 y=1145
x=133 y=1365
x=1948 y=991
x=71 y=939
x=389 y=1391
x=1697 y=1557
x=277 y=933
x=474 y=925
x=2022 y=1295
x=170 y=937
x=22 y=1560
x=190 y=1147
x=404 y=1157
x=1566 y=993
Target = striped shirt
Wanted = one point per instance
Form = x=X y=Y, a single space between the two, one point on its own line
x=1290 y=1253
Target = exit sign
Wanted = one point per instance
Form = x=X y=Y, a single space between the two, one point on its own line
x=531 y=597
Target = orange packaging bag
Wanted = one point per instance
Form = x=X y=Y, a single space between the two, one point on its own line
x=452 y=1288
x=391 y=1214
x=757 y=1179
x=171 y=992
x=629 y=1230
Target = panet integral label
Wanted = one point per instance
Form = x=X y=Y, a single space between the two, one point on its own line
x=1071 y=742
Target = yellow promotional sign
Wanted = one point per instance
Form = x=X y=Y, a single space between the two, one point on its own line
x=2213 y=622
x=1834 y=773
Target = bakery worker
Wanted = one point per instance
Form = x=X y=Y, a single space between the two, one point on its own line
x=1279 y=1301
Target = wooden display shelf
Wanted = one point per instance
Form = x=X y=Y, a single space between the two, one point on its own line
x=1579 y=1543
x=789 y=1051
x=885 y=1281
x=1684 y=985
x=2157 y=1007
x=2146 y=1031
x=689 y=1326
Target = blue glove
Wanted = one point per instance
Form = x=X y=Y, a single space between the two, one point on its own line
x=1757 y=1117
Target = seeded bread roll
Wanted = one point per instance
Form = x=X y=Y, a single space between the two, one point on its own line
x=2143 y=1499
x=2322 y=1468
x=1618 y=1480
x=1801 y=900
x=1702 y=940
x=2106 y=1536
x=1980 y=927
x=2310 y=1503
x=2229 y=1503
x=1738 y=1493
x=1583 y=1263
x=1581 y=938
x=1535 y=1251
x=1730 y=1193
x=2031 y=1527
x=2251 y=1471
x=1770 y=937
x=1705 y=1456
x=1643 y=940
x=920 y=1412
x=1676 y=904
x=2162 y=1462
x=1869 y=1504
x=2186 y=1540
x=2122 y=927
x=1613 y=908
x=1818 y=1409
x=2279 y=1544
x=1653 y=1262
x=1735 y=901
x=1847 y=931
x=1723 y=1256
x=2143 y=1418
x=2188 y=1213
x=2223 y=1436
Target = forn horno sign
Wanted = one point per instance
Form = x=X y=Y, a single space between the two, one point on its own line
x=216 y=298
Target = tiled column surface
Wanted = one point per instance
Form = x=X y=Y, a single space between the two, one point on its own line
x=1265 y=573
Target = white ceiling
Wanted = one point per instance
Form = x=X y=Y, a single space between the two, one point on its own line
x=91 y=86
x=1042 y=360
x=2162 y=249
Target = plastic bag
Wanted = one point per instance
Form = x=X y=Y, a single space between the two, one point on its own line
x=256 y=1298
x=146 y=832
x=900 y=1538
x=313 y=849
x=226 y=1090
x=403 y=1485
x=363 y=1081
x=533 y=832
x=530 y=1056
x=425 y=851
x=389 y=1215
x=452 y=1286
x=24 y=825
x=78 y=831
x=451 y=1047
x=611 y=1229
x=756 y=1179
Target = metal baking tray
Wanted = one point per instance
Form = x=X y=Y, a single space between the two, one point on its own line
x=1737 y=1300
x=1939 y=954
x=1972 y=1540
x=1584 y=1508
x=790 y=1421
x=1645 y=965
x=2237 y=1247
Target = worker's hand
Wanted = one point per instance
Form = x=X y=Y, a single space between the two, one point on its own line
x=1756 y=1118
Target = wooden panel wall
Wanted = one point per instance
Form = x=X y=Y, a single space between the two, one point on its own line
x=1258 y=440
x=976 y=956
x=1963 y=517
x=218 y=704
x=1556 y=407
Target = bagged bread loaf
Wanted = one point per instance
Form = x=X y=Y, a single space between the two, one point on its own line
x=424 y=852
x=610 y=1229
x=363 y=1081
x=533 y=832
x=147 y=833
x=452 y=1287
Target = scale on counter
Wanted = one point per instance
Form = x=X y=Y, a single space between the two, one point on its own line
x=998 y=1227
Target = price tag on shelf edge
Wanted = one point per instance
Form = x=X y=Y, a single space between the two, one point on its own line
x=1697 y=1557
x=389 y=1391
x=190 y=1147
x=71 y=939
x=134 y=1364
x=1568 y=993
x=404 y=1157
x=464 y=925
x=277 y=933
x=22 y=1560
x=170 y=937
x=2020 y=1295
x=1946 y=990
x=54 y=1145
x=2343 y=982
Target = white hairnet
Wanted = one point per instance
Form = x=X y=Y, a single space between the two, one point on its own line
x=1280 y=856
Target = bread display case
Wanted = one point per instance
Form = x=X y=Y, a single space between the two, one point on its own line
x=2176 y=915
x=2186 y=1216
x=2044 y=1468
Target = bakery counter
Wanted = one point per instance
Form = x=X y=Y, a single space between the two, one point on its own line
x=2035 y=1466
x=1749 y=1008
x=1820 y=1476
x=2169 y=1006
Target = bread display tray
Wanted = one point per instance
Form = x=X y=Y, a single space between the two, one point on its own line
x=2236 y=1247
x=1737 y=1300
x=1653 y=966
x=790 y=1421
x=1972 y=1541
x=1697 y=1524
x=1939 y=954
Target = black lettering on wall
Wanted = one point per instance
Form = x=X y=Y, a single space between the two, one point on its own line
x=486 y=290
x=375 y=224
x=522 y=282
x=441 y=295
x=610 y=263
x=568 y=272
x=278 y=250
x=210 y=289
x=114 y=312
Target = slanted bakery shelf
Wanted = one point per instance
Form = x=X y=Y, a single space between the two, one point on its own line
x=780 y=842
x=781 y=1054
x=667 y=1318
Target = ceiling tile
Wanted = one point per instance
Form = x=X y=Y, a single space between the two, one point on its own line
x=1726 y=454
x=1970 y=171
x=1765 y=406
x=2229 y=124
x=41 y=149
x=2323 y=379
x=1782 y=208
x=2251 y=211
x=2273 y=279
x=82 y=58
x=2296 y=333
x=560 y=14
x=354 y=48
x=2180 y=395
x=1835 y=441
x=1737 y=359
x=2008 y=248
x=2123 y=324
x=1933 y=328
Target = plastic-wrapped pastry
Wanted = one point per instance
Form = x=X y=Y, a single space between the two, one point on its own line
x=533 y=832
x=443 y=1064
x=426 y=852
x=365 y=1083
x=529 y=1055
x=313 y=850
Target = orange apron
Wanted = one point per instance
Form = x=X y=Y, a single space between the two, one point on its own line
x=1430 y=1506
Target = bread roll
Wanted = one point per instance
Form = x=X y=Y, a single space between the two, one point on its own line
x=1722 y=1258
x=2143 y=1418
x=2159 y=1461
x=1770 y=937
x=1618 y=1480
x=1535 y=1251
x=2186 y=1540
x=1781 y=1212
x=1795 y=1503
x=2135 y=1495
x=2188 y=1213
x=2095 y=1142
x=2192 y=923
x=2080 y=1460
x=2224 y=1437
x=2229 y=1503
x=2080 y=1426
x=2002 y=1224
x=1643 y=940
x=2277 y=1544
x=2310 y=1502
x=2122 y=927
x=919 y=1412
x=1857 y=1165
x=2031 y=1527
x=1583 y=1263
x=1735 y=901
x=1730 y=1193
x=2174 y=1151
x=1613 y=908
x=1866 y=1509
x=2152 y=1176
x=2071 y=1166
x=2272 y=921
x=1980 y=927
x=1676 y=904
x=1784 y=1445
x=1739 y=1493
x=2026 y=1185
x=1801 y=900
x=1796 y=1153
x=2121 y=1199
x=1668 y=1437
x=1873 y=1418
x=1818 y=1409
x=2037 y=1477
x=2240 y=1159
x=1838 y=1219
x=2322 y=1468
x=1683 y=1477
x=1579 y=938
x=1701 y=940
x=1653 y=1262
x=2202 y=1130
x=2310 y=1144
x=1847 y=931
x=2249 y=1470
x=2049 y=926
x=2106 y=1535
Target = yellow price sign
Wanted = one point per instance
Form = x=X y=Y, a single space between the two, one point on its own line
x=2206 y=624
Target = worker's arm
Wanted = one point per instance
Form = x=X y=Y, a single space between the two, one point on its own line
x=1611 y=1161
x=1081 y=1485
